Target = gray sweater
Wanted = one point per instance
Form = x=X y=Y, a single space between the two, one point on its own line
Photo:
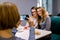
x=45 y=25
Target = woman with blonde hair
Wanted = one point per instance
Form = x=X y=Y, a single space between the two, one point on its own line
x=43 y=18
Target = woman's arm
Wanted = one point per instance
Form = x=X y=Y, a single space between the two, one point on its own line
x=31 y=34
x=47 y=23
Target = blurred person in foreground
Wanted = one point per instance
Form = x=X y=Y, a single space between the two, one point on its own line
x=9 y=18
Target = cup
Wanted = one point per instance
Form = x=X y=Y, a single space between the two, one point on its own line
x=25 y=27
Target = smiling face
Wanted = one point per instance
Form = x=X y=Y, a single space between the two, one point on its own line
x=34 y=12
x=39 y=11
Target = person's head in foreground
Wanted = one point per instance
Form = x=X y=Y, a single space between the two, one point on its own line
x=9 y=18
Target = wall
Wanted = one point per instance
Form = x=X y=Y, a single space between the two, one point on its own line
x=23 y=5
x=49 y=6
x=58 y=6
x=54 y=7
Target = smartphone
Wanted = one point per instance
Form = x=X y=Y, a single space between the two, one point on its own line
x=27 y=16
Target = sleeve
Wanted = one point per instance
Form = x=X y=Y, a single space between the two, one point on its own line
x=31 y=34
x=47 y=23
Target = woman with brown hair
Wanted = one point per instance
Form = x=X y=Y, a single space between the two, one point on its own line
x=34 y=17
x=9 y=18
x=43 y=19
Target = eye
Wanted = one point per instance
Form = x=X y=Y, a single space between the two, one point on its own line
x=33 y=11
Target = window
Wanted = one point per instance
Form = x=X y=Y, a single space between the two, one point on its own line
x=39 y=3
x=46 y=4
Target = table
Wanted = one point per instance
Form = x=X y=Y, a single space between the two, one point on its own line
x=43 y=33
x=25 y=34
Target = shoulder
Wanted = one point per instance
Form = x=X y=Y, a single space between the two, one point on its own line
x=47 y=17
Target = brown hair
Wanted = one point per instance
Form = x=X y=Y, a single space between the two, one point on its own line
x=33 y=8
x=9 y=16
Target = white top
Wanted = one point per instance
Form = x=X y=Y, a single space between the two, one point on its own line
x=34 y=21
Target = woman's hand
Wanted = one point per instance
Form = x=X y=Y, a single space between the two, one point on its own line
x=31 y=24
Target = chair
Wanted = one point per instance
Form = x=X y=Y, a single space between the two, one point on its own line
x=55 y=28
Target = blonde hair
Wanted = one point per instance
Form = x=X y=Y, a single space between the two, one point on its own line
x=44 y=13
x=9 y=15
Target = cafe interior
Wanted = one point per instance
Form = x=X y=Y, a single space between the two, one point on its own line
x=26 y=8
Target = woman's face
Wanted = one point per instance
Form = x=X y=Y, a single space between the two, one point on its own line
x=34 y=12
x=39 y=11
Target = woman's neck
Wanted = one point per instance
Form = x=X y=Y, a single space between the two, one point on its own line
x=6 y=33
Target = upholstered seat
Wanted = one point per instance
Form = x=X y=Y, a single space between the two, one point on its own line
x=55 y=28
